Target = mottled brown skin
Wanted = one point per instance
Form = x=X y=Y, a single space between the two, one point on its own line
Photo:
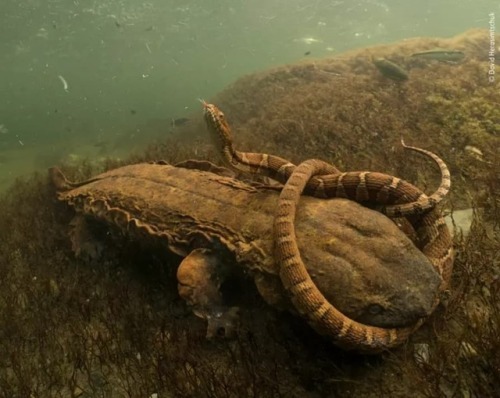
x=221 y=225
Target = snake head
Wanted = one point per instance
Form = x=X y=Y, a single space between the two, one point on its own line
x=218 y=127
x=214 y=116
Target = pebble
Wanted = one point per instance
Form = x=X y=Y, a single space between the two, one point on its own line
x=421 y=353
x=463 y=220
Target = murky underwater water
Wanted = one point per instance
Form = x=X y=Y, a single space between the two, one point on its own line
x=97 y=79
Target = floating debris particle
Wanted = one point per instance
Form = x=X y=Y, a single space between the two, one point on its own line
x=64 y=82
x=3 y=129
x=42 y=33
x=390 y=70
x=441 y=55
x=307 y=53
x=308 y=40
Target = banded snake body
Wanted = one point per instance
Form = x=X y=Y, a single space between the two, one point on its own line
x=397 y=198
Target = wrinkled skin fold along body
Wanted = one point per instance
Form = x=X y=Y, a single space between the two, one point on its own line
x=362 y=263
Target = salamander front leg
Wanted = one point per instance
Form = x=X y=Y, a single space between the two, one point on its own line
x=199 y=278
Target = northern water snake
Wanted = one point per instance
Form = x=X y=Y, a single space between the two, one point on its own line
x=397 y=197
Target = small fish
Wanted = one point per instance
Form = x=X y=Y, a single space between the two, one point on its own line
x=441 y=55
x=390 y=70
x=307 y=53
x=180 y=121
x=64 y=82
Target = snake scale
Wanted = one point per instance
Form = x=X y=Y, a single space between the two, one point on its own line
x=397 y=198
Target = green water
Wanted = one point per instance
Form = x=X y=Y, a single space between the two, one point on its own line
x=101 y=78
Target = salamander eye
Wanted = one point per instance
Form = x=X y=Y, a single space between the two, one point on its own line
x=221 y=115
x=375 y=309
